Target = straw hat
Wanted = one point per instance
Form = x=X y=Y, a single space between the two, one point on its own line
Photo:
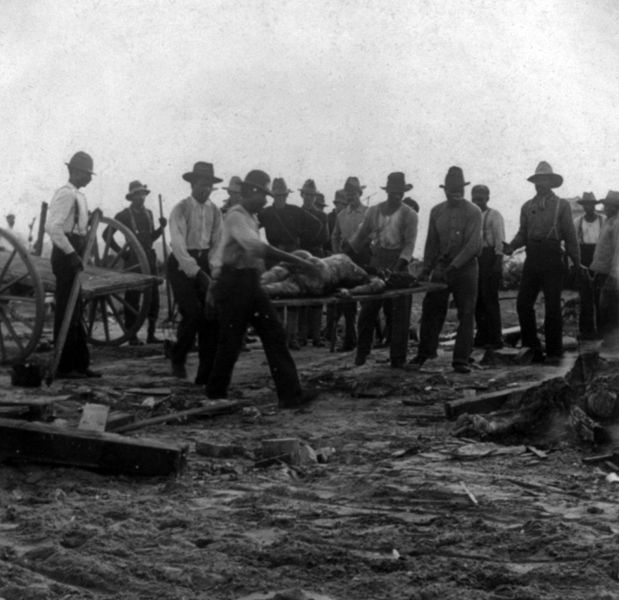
x=135 y=187
x=544 y=172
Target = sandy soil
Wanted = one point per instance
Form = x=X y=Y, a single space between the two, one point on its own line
x=401 y=510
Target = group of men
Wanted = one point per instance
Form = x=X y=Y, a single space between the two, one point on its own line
x=217 y=257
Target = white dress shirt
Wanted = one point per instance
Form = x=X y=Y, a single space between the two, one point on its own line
x=67 y=213
x=193 y=226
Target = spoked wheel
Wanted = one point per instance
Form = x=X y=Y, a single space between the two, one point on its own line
x=22 y=301
x=114 y=313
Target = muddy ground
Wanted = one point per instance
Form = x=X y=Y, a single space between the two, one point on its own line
x=402 y=509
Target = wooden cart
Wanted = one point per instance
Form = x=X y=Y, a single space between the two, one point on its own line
x=27 y=285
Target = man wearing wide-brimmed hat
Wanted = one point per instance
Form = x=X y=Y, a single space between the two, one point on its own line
x=588 y=229
x=392 y=227
x=545 y=222
x=67 y=224
x=140 y=221
x=450 y=256
x=347 y=224
x=234 y=193
x=605 y=266
x=195 y=229
x=240 y=300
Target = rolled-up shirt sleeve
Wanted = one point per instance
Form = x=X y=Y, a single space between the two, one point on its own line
x=178 y=243
x=60 y=211
x=498 y=231
x=409 y=235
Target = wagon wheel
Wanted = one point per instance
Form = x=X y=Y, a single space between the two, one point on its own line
x=22 y=301
x=105 y=314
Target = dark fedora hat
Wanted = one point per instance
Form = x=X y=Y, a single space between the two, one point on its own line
x=396 y=181
x=454 y=180
x=353 y=185
x=544 y=172
x=587 y=198
x=82 y=161
x=201 y=169
x=309 y=188
x=258 y=179
x=136 y=187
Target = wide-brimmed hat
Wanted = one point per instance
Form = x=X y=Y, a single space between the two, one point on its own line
x=320 y=200
x=352 y=185
x=480 y=190
x=612 y=198
x=279 y=187
x=82 y=161
x=309 y=188
x=258 y=179
x=234 y=185
x=201 y=169
x=544 y=171
x=454 y=180
x=397 y=182
x=587 y=198
x=136 y=187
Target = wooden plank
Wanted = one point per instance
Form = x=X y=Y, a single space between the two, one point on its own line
x=486 y=402
x=209 y=409
x=40 y=443
x=117 y=419
x=94 y=417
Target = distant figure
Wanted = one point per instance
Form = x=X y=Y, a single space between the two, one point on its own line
x=605 y=266
x=240 y=300
x=284 y=225
x=545 y=222
x=10 y=219
x=67 y=225
x=313 y=240
x=195 y=229
x=392 y=227
x=588 y=229
x=450 y=257
x=234 y=194
x=339 y=203
x=347 y=224
x=488 y=309
x=140 y=221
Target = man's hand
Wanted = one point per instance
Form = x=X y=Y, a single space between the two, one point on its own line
x=507 y=249
x=424 y=275
x=583 y=273
x=401 y=264
x=162 y=222
x=75 y=262
x=203 y=281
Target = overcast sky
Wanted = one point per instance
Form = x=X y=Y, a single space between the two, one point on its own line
x=308 y=89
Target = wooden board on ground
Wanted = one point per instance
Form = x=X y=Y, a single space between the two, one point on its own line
x=46 y=444
x=94 y=417
x=30 y=407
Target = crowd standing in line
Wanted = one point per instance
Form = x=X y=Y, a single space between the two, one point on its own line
x=217 y=257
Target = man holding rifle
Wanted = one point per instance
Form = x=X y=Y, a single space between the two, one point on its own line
x=140 y=221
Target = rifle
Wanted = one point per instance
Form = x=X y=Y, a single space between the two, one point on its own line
x=165 y=260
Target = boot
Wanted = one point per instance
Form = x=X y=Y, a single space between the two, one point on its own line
x=151 y=337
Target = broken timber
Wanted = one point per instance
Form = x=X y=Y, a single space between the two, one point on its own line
x=217 y=407
x=487 y=402
x=108 y=452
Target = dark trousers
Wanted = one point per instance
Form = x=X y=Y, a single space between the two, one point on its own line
x=193 y=318
x=75 y=355
x=609 y=310
x=542 y=271
x=463 y=285
x=240 y=302
x=310 y=321
x=400 y=321
x=349 y=312
x=487 y=309
x=587 y=318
